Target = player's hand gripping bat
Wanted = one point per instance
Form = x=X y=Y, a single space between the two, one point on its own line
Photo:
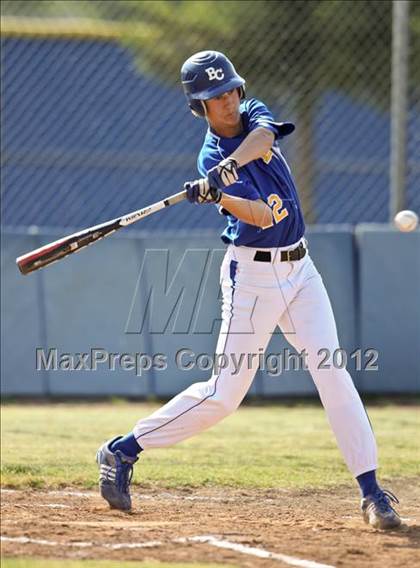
x=52 y=252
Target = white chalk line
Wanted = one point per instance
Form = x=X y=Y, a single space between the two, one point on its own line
x=205 y=539
x=118 y=546
x=55 y=506
x=252 y=551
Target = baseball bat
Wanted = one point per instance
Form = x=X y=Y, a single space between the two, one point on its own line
x=57 y=250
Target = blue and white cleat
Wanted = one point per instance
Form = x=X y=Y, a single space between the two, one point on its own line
x=378 y=511
x=115 y=473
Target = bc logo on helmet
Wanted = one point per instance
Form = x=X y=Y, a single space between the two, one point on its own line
x=215 y=73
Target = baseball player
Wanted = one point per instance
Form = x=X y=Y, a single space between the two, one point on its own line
x=268 y=279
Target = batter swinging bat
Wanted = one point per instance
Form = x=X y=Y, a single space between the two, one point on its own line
x=52 y=252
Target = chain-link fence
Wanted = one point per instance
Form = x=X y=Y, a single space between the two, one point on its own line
x=95 y=123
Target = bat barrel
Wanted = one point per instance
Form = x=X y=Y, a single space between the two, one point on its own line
x=52 y=252
x=44 y=256
x=57 y=250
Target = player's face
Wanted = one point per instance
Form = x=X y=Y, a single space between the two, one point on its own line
x=223 y=113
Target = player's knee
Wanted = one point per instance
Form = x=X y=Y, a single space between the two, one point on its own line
x=226 y=406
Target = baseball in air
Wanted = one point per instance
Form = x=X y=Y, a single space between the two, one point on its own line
x=406 y=221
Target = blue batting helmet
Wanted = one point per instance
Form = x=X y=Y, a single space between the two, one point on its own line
x=208 y=74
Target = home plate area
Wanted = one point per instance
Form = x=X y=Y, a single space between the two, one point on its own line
x=311 y=529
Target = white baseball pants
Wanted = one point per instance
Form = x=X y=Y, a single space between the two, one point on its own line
x=258 y=296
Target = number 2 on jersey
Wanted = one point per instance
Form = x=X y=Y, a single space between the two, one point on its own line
x=276 y=204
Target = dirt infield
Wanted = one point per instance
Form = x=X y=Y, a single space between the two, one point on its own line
x=322 y=527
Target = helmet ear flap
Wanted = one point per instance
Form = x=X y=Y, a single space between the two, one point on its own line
x=197 y=108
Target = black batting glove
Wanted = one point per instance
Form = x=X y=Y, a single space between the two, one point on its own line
x=224 y=174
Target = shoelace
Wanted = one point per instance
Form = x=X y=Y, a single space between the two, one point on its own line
x=123 y=475
x=383 y=499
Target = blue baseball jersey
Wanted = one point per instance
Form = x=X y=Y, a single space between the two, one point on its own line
x=268 y=178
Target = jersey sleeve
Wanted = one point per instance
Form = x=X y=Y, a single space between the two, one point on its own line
x=260 y=116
